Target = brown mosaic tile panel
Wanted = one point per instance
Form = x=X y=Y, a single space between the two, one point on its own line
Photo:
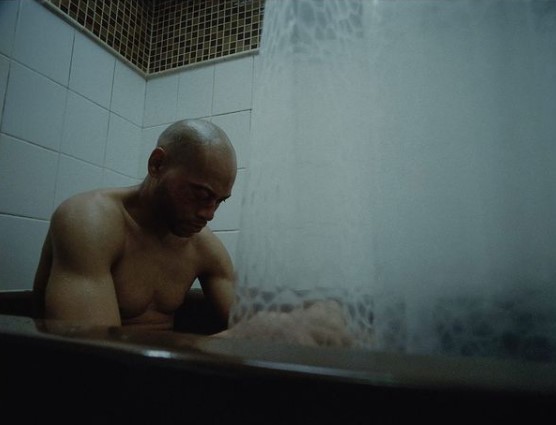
x=123 y=25
x=187 y=32
x=159 y=35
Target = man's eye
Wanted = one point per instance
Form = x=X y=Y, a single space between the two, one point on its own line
x=202 y=194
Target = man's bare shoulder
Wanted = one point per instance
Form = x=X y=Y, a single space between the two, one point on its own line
x=211 y=250
x=96 y=213
x=207 y=243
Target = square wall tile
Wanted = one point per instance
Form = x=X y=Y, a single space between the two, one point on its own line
x=34 y=107
x=92 y=70
x=228 y=215
x=8 y=19
x=43 y=42
x=238 y=128
x=22 y=240
x=233 y=85
x=4 y=72
x=112 y=179
x=123 y=148
x=28 y=176
x=75 y=176
x=128 y=93
x=161 y=100
x=195 y=93
x=85 y=129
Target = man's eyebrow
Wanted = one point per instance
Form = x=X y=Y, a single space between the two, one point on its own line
x=210 y=191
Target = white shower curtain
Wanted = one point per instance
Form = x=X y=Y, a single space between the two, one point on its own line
x=403 y=160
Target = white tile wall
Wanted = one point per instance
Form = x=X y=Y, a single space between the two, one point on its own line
x=4 y=71
x=8 y=19
x=34 y=107
x=123 y=147
x=238 y=128
x=21 y=247
x=43 y=41
x=85 y=129
x=76 y=176
x=92 y=70
x=161 y=100
x=112 y=179
x=195 y=93
x=128 y=93
x=28 y=176
x=233 y=85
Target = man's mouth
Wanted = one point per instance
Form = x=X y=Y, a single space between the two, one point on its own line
x=193 y=227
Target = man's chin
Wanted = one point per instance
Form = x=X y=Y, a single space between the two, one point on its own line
x=185 y=232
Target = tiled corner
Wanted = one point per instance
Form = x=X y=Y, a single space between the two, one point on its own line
x=123 y=25
x=85 y=129
x=168 y=34
x=92 y=71
x=233 y=85
x=185 y=33
x=123 y=146
x=52 y=55
x=128 y=93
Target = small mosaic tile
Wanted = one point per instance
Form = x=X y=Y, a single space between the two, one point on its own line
x=160 y=35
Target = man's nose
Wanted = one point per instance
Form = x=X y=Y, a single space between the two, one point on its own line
x=207 y=212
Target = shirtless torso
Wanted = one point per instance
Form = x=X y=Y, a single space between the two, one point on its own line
x=128 y=256
x=108 y=261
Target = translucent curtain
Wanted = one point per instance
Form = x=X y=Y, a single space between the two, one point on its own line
x=403 y=162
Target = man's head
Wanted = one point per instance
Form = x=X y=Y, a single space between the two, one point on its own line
x=191 y=171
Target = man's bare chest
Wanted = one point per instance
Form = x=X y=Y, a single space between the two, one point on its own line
x=151 y=276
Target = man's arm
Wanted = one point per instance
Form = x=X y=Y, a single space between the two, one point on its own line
x=217 y=277
x=321 y=323
x=80 y=286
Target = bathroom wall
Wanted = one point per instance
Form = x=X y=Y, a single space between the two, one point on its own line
x=74 y=117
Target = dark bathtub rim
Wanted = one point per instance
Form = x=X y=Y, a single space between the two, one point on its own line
x=241 y=358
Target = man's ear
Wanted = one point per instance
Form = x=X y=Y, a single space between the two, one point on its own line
x=156 y=161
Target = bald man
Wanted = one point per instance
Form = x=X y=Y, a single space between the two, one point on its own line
x=128 y=256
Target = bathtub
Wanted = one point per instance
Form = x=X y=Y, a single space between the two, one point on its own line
x=65 y=372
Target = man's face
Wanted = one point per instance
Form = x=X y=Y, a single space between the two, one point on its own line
x=187 y=197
